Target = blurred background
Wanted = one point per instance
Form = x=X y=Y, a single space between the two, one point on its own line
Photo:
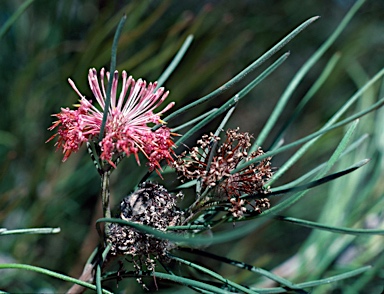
x=56 y=40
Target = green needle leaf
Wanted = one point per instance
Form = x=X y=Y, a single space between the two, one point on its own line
x=336 y=278
x=310 y=174
x=246 y=71
x=300 y=75
x=189 y=282
x=4 y=231
x=231 y=102
x=176 y=60
x=50 y=273
x=312 y=184
x=320 y=282
x=112 y=71
x=242 y=265
x=311 y=92
x=330 y=126
x=14 y=17
x=213 y=274
x=329 y=228
x=188 y=239
x=335 y=156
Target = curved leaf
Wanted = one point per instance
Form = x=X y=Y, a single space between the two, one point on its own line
x=342 y=230
x=50 y=273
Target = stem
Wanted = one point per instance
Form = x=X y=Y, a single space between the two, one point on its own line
x=105 y=194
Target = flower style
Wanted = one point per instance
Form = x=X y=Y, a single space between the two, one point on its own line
x=126 y=130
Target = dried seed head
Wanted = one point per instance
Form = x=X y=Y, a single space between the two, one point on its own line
x=227 y=157
x=150 y=205
x=219 y=172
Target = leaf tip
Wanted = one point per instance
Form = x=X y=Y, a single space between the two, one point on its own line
x=314 y=18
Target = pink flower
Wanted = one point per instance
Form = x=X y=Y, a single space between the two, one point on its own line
x=126 y=130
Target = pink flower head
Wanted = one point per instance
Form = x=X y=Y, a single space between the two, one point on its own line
x=126 y=130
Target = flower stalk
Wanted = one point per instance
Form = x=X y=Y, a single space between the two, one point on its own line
x=105 y=194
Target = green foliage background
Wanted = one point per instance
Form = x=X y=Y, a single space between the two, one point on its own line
x=55 y=40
